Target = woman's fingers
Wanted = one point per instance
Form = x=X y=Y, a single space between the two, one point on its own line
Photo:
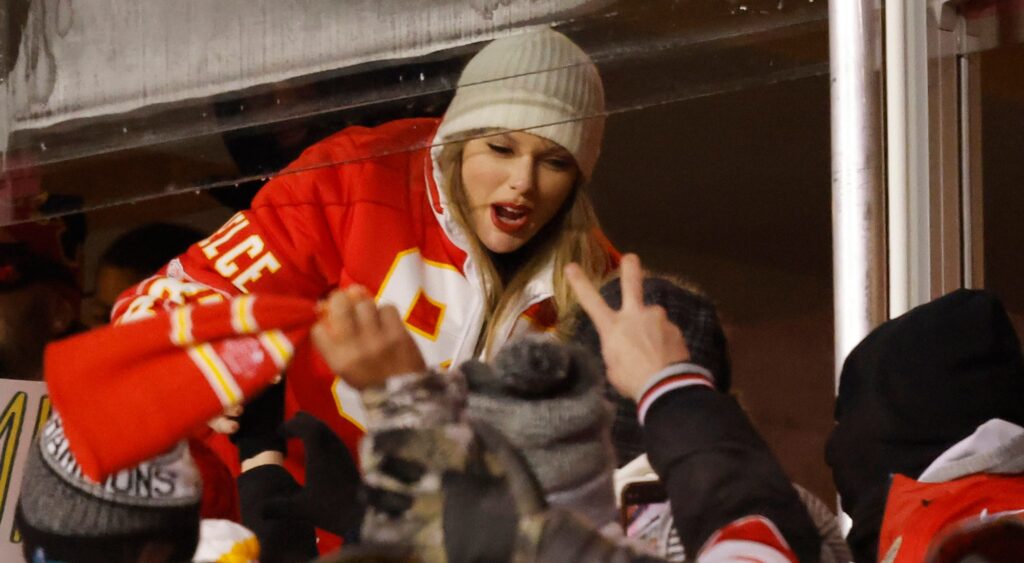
x=632 y=280
x=349 y=312
x=588 y=296
x=357 y=292
x=406 y=357
x=391 y=320
x=340 y=320
x=367 y=317
x=363 y=310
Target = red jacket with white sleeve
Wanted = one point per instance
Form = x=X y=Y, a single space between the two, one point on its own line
x=360 y=207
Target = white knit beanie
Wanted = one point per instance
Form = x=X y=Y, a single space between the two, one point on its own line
x=538 y=81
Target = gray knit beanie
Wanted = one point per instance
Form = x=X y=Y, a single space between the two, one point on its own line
x=539 y=81
x=547 y=399
x=64 y=516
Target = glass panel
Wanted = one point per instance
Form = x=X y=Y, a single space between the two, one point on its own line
x=649 y=53
x=1002 y=143
x=732 y=192
x=715 y=164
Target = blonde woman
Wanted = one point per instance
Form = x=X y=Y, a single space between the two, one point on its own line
x=461 y=225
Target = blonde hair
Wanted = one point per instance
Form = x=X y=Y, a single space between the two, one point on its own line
x=572 y=235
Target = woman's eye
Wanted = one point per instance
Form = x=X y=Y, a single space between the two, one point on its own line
x=500 y=149
x=558 y=163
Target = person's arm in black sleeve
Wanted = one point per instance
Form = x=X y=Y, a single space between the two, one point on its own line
x=330 y=498
x=717 y=469
x=281 y=540
x=258 y=423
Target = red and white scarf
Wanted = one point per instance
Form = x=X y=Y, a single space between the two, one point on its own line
x=128 y=392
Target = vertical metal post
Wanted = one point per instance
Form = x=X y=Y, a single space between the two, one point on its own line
x=858 y=204
x=944 y=205
x=909 y=202
x=6 y=66
x=971 y=173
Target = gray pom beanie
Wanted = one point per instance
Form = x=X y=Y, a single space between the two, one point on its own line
x=547 y=399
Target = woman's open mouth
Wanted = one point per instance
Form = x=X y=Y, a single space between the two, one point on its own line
x=509 y=217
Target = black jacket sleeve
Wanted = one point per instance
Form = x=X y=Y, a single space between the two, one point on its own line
x=281 y=540
x=717 y=469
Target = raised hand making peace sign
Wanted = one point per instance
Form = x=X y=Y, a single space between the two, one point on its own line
x=638 y=340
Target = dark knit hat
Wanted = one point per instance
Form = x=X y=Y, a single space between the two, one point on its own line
x=64 y=516
x=694 y=314
x=914 y=387
x=548 y=400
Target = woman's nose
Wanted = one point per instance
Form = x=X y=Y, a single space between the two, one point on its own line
x=523 y=176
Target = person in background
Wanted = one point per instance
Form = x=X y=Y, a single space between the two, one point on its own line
x=39 y=299
x=131 y=258
x=40 y=281
x=929 y=434
x=729 y=495
x=696 y=316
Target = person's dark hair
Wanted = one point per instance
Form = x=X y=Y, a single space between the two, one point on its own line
x=147 y=248
x=179 y=545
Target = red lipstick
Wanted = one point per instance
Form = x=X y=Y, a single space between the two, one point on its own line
x=509 y=217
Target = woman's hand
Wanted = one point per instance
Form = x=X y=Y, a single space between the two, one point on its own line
x=638 y=340
x=363 y=343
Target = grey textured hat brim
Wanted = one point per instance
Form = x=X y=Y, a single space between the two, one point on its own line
x=594 y=499
x=544 y=423
x=565 y=437
x=52 y=506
